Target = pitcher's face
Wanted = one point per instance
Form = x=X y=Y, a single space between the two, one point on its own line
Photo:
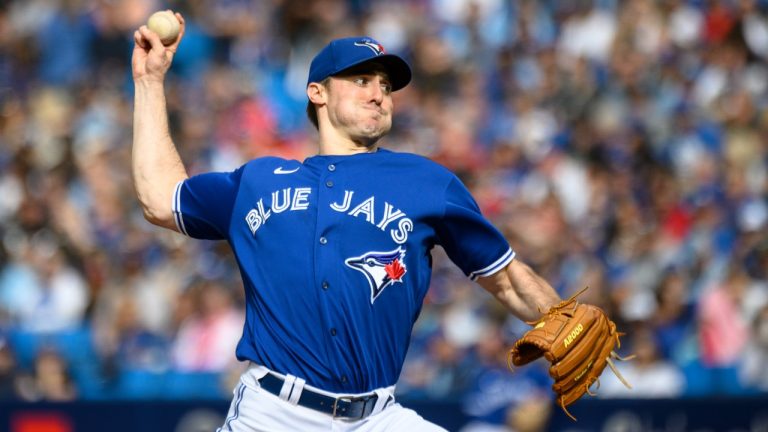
x=360 y=105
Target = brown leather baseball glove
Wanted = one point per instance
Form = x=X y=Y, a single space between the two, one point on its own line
x=578 y=340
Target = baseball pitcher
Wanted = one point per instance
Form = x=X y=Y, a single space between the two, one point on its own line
x=334 y=251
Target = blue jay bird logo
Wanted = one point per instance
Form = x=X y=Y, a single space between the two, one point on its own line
x=381 y=269
x=374 y=46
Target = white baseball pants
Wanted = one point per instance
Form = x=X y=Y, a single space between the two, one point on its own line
x=254 y=409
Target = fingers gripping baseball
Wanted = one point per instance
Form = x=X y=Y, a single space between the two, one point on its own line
x=151 y=58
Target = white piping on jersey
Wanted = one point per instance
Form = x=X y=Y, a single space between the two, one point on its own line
x=176 y=209
x=497 y=265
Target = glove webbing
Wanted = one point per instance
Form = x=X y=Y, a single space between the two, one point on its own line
x=552 y=311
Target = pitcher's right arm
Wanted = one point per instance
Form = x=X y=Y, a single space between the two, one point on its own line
x=156 y=164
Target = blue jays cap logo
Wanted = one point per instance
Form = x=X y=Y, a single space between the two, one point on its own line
x=344 y=53
x=381 y=269
x=374 y=46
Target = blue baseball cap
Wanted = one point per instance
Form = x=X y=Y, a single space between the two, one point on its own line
x=342 y=54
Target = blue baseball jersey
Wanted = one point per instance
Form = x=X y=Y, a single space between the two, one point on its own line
x=335 y=258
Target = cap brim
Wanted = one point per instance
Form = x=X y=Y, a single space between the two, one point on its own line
x=398 y=70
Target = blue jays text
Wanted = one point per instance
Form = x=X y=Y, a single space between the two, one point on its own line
x=297 y=199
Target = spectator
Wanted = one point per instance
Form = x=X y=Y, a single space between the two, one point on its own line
x=753 y=372
x=64 y=40
x=207 y=338
x=9 y=372
x=502 y=400
x=673 y=321
x=46 y=294
x=50 y=379
x=651 y=376
x=723 y=328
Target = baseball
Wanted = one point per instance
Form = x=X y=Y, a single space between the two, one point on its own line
x=166 y=25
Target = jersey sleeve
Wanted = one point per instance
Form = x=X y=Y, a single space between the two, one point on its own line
x=469 y=239
x=202 y=204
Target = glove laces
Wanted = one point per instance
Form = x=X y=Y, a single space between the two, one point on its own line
x=558 y=309
x=611 y=356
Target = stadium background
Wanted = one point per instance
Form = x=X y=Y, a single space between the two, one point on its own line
x=619 y=144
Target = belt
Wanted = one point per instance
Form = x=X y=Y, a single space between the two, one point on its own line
x=350 y=407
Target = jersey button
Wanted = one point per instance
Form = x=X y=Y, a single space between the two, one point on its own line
x=329 y=183
x=323 y=240
x=331 y=167
x=343 y=378
x=326 y=285
x=333 y=332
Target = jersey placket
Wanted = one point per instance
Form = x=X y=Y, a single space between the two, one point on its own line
x=325 y=250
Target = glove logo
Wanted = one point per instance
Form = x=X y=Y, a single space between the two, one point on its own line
x=573 y=335
x=581 y=374
x=381 y=269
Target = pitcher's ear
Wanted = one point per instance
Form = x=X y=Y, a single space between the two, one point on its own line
x=316 y=93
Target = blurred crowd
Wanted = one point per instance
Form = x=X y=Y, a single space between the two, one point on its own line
x=620 y=145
